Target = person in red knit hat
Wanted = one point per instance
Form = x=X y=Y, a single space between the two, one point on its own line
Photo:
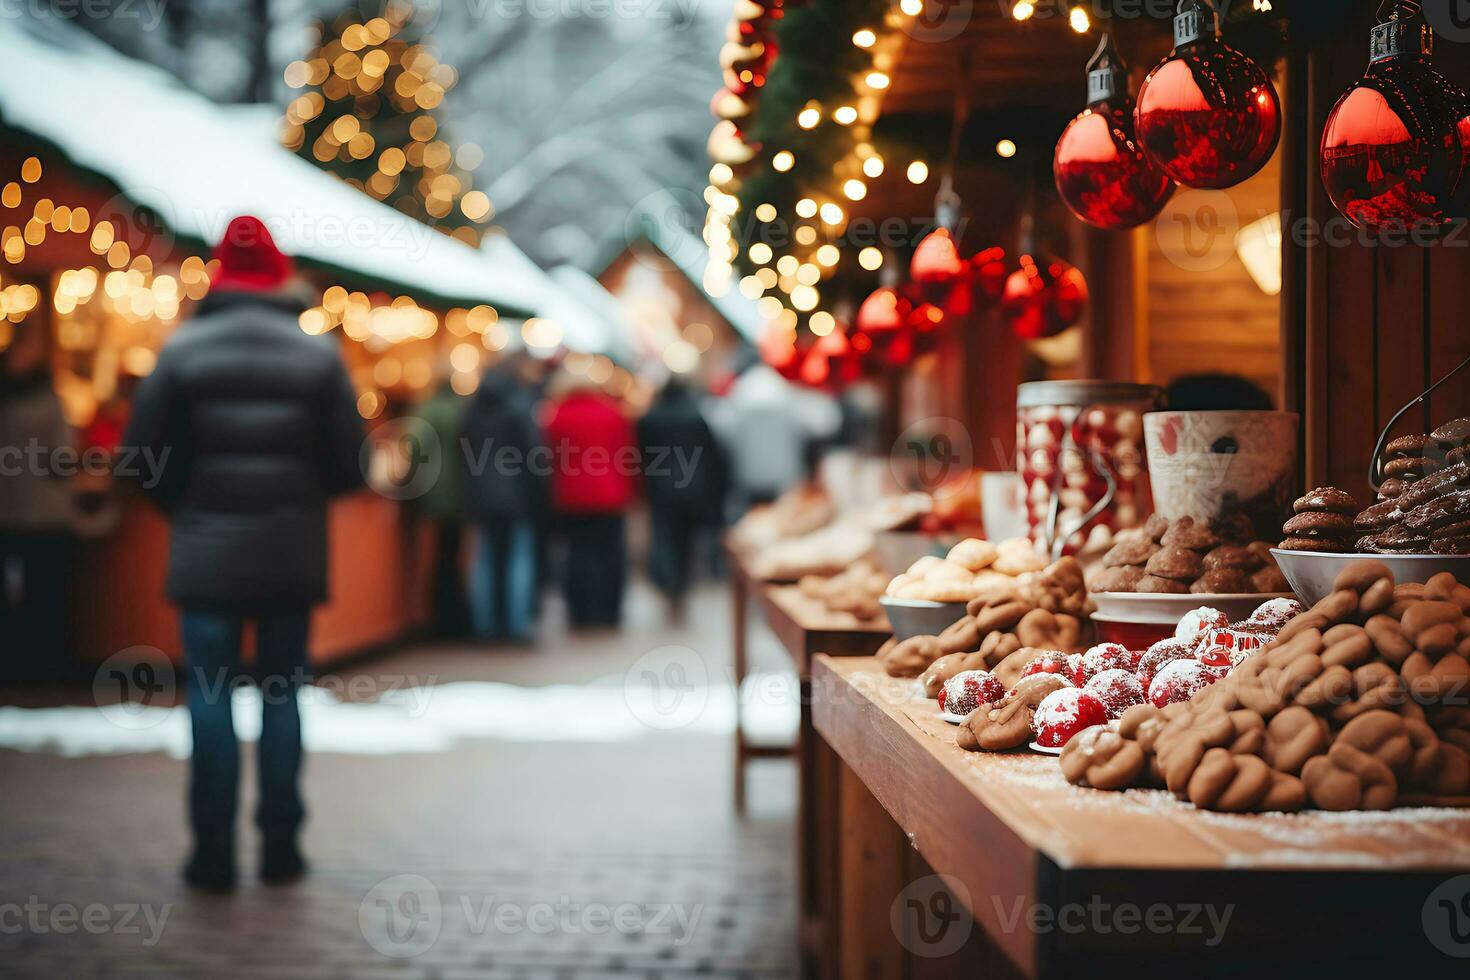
x=259 y=424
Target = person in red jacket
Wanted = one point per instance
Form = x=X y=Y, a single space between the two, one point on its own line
x=595 y=464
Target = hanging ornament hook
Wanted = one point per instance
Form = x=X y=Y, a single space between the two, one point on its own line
x=1375 y=468
x=1107 y=72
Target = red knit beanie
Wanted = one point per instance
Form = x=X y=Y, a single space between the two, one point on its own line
x=248 y=258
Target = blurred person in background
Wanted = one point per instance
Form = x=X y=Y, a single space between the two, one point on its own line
x=505 y=495
x=261 y=425
x=442 y=506
x=37 y=510
x=684 y=477
x=594 y=465
x=768 y=428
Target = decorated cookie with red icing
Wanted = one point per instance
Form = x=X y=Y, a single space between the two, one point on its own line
x=1054 y=662
x=1108 y=656
x=1062 y=714
x=1161 y=653
x=1179 y=680
x=967 y=690
x=1117 y=689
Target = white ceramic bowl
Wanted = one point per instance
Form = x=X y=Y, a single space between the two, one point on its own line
x=1311 y=573
x=919 y=617
x=1156 y=608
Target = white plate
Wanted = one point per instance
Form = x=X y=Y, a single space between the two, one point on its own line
x=952 y=718
x=1149 y=607
x=1044 y=749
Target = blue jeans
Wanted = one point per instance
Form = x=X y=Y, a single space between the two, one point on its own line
x=212 y=665
x=503 y=580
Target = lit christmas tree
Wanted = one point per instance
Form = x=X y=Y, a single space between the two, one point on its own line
x=368 y=116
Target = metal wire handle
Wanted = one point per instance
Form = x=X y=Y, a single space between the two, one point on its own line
x=1056 y=545
x=1402 y=9
x=1375 y=467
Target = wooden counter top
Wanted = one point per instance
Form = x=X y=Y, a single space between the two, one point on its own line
x=1014 y=834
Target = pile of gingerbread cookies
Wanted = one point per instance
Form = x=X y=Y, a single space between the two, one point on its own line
x=849 y=596
x=1100 y=685
x=1190 y=556
x=1003 y=628
x=1423 y=505
x=1359 y=704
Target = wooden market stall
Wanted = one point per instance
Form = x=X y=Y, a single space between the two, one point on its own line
x=844 y=120
x=106 y=238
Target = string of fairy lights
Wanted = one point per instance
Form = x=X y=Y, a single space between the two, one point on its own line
x=786 y=281
x=787 y=286
x=367 y=118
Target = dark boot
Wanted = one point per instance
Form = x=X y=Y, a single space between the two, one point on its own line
x=211 y=867
x=281 y=862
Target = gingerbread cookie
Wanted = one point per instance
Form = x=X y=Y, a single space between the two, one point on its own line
x=1325 y=500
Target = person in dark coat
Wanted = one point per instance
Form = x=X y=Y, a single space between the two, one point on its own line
x=685 y=482
x=505 y=492
x=260 y=423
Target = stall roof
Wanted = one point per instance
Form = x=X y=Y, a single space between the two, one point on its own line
x=655 y=221
x=581 y=294
x=176 y=153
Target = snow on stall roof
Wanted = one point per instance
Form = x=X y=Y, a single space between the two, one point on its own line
x=197 y=165
x=590 y=316
x=658 y=220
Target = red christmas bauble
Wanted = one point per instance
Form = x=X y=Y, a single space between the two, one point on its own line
x=1396 y=147
x=1102 y=174
x=988 y=274
x=777 y=347
x=926 y=319
x=882 y=312
x=940 y=274
x=1207 y=115
x=1043 y=297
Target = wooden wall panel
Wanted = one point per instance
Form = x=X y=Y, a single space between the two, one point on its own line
x=1377 y=321
x=1204 y=311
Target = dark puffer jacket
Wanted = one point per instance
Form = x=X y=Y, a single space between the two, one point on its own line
x=261 y=427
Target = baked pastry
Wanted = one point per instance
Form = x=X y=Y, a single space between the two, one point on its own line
x=1321 y=522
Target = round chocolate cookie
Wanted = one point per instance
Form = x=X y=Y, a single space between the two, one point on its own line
x=1449 y=509
x=1401 y=539
x=1315 y=544
x=1153 y=584
x=1180 y=564
x=1186 y=532
x=1227 y=581
x=1410 y=466
x=1318 y=525
x=1456 y=530
x=1328 y=499
x=1234 y=528
x=1380 y=515
x=1391 y=488
x=1455 y=432
x=1134 y=551
x=1120 y=578
x=1232 y=556
x=1451 y=546
x=1407 y=446
x=1269 y=579
x=1452 y=477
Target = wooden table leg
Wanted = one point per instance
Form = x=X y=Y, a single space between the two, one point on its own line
x=871 y=860
x=739 y=606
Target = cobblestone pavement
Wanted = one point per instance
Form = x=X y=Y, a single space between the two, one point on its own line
x=542 y=858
